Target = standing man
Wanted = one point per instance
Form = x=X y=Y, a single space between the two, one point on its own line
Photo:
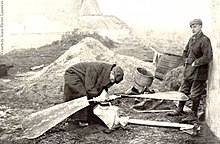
x=198 y=55
x=89 y=79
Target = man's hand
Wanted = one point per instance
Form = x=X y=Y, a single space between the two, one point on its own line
x=103 y=97
x=113 y=97
x=140 y=89
x=193 y=64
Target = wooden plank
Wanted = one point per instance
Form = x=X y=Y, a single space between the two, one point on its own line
x=171 y=95
x=160 y=124
x=37 y=123
x=153 y=111
x=157 y=55
x=37 y=67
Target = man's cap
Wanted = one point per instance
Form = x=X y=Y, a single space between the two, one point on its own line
x=118 y=73
x=195 y=21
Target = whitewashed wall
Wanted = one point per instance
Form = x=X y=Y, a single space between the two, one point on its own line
x=213 y=100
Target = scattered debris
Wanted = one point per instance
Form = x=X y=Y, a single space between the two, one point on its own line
x=5 y=80
x=37 y=67
x=149 y=104
x=2 y=114
x=4 y=69
x=194 y=131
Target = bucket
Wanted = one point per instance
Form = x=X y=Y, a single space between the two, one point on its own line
x=142 y=77
x=166 y=63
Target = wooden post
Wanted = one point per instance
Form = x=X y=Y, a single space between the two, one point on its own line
x=156 y=57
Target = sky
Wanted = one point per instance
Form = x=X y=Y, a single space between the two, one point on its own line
x=159 y=14
x=165 y=14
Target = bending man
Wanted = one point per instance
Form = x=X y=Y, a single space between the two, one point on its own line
x=89 y=79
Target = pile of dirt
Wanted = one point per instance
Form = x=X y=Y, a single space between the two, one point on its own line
x=47 y=85
x=173 y=79
x=24 y=59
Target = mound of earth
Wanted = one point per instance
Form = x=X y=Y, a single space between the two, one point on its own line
x=73 y=37
x=47 y=85
x=173 y=79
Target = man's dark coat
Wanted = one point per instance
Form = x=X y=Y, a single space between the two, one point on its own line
x=198 y=50
x=86 y=79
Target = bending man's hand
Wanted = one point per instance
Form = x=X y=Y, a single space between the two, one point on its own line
x=193 y=64
x=103 y=97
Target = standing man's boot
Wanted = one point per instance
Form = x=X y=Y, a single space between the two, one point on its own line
x=192 y=115
x=179 y=110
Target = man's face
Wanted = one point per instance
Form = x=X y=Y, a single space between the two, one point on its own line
x=196 y=28
x=112 y=77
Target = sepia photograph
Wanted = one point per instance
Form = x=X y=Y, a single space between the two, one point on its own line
x=109 y=71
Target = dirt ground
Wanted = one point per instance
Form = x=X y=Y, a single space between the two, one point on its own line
x=14 y=107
